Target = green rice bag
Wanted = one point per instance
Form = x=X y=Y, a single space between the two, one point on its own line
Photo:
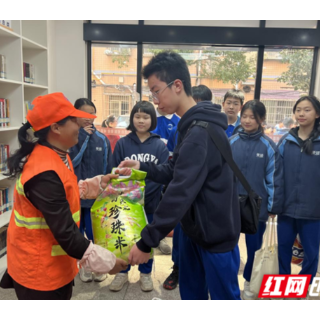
x=118 y=215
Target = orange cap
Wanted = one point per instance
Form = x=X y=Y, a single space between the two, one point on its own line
x=52 y=108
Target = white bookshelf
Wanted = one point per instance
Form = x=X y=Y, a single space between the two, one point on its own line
x=28 y=42
x=3 y=265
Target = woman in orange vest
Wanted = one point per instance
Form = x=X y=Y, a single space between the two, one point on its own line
x=43 y=241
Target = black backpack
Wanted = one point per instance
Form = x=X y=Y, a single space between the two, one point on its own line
x=249 y=203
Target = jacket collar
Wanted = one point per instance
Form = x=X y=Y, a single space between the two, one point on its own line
x=293 y=136
x=250 y=136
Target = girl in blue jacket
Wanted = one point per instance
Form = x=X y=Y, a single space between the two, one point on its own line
x=91 y=156
x=300 y=150
x=259 y=160
x=144 y=146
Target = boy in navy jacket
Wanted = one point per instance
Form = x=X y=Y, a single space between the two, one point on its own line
x=199 y=93
x=201 y=190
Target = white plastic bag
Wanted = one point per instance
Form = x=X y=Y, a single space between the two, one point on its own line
x=265 y=259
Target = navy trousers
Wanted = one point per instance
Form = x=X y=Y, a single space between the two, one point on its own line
x=309 y=232
x=202 y=272
x=253 y=242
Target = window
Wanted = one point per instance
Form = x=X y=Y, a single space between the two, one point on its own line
x=113 y=87
x=119 y=105
x=220 y=69
x=286 y=76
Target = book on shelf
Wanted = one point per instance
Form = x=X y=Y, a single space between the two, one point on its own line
x=3 y=67
x=4 y=155
x=6 y=24
x=28 y=72
x=5 y=203
x=28 y=106
x=3 y=240
x=4 y=113
x=31 y=67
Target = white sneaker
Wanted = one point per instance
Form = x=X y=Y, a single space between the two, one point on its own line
x=118 y=282
x=98 y=277
x=164 y=247
x=146 y=282
x=247 y=294
x=85 y=276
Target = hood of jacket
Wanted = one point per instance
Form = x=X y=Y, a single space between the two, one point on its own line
x=203 y=111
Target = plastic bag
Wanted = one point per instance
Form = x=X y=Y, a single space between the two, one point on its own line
x=118 y=215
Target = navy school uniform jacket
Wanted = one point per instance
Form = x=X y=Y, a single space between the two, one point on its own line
x=301 y=177
x=153 y=149
x=91 y=156
x=259 y=160
x=202 y=191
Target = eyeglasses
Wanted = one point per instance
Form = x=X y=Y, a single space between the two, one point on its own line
x=155 y=95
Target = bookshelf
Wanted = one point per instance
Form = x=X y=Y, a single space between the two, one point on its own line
x=28 y=42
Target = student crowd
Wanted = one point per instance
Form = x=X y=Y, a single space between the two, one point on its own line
x=189 y=188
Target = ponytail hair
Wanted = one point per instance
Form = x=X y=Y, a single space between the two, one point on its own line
x=27 y=143
x=308 y=145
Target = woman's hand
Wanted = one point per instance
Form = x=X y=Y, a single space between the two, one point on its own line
x=120 y=265
x=134 y=164
x=88 y=129
x=123 y=172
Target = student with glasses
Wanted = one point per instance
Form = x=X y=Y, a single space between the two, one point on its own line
x=91 y=156
x=165 y=121
x=201 y=193
x=199 y=93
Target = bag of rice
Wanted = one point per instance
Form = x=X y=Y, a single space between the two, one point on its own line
x=118 y=215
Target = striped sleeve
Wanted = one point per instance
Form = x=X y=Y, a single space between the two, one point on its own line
x=274 y=177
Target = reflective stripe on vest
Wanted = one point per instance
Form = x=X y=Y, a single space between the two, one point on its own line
x=19 y=186
x=37 y=223
x=29 y=223
x=57 y=251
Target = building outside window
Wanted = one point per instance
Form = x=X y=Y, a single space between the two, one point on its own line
x=286 y=75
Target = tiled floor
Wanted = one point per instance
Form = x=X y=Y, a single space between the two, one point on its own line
x=132 y=291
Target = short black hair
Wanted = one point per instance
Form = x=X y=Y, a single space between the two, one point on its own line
x=201 y=93
x=169 y=66
x=146 y=107
x=234 y=93
x=84 y=101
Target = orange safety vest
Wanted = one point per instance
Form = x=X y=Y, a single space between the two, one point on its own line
x=35 y=259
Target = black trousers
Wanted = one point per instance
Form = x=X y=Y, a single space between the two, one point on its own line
x=23 y=293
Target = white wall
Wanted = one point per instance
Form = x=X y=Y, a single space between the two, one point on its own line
x=67 y=59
